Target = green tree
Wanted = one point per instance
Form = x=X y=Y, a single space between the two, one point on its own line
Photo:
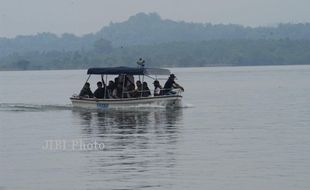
x=103 y=46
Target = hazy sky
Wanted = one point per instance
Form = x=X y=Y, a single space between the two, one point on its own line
x=85 y=16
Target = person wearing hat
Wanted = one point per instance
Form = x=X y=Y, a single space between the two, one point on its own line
x=171 y=84
x=157 y=88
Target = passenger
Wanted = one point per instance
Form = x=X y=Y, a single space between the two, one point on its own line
x=146 y=91
x=121 y=78
x=130 y=80
x=157 y=88
x=99 y=93
x=119 y=90
x=139 y=89
x=86 y=92
x=130 y=89
x=110 y=89
x=128 y=86
x=116 y=81
x=114 y=93
x=170 y=85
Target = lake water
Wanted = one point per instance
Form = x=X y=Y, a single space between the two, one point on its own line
x=239 y=128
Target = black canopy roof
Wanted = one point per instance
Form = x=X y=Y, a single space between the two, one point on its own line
x=127 y=71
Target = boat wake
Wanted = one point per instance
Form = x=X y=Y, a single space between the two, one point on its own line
x=21 y=107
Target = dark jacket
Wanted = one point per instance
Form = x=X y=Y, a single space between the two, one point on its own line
x=86 y=92
x=99 y=93
x=168 y=86
x=146 y=92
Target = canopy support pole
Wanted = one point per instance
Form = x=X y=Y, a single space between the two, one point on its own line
x=102 y=80
x=124 y=79
x=105 y=87
x=142 y=89
x=88 y=78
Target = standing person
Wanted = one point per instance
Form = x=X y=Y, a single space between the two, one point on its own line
x=86 y=92
x=145 y=90
x=157 y=88
x=99 y=92
x=171 y=84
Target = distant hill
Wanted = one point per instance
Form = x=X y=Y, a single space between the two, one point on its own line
x=144 y=29
x=162 y=43
x=151 y=29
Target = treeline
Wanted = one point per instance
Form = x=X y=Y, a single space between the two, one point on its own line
x=45 y=42
x=162 y=43
x=151 y=29
x=174 y=54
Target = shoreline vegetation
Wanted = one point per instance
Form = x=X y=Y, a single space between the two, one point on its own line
x=162 y=43
x=209 y=66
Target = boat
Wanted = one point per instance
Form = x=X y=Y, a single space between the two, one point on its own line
x=171 y=100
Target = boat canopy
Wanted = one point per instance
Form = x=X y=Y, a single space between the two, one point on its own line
x=127 y=71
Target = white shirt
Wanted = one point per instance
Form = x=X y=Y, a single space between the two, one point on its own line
x=157 y=91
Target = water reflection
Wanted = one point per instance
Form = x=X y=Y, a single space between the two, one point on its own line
x=119 y=128
x=137 y=142
x=127 y=121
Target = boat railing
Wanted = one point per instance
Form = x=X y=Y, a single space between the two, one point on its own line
x=169 y=92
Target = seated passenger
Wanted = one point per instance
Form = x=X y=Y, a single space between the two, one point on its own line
x=86 y=92
x=99 y=93
x=110 y=89
x=119 y=90
x=114 y=93
x=157 y=88
x=170 y=85
x=146 y=91
x=116 y=81
x=138 y=92
x=129 y=80
x=131 y=93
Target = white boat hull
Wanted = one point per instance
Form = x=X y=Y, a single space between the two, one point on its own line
x=160 y=101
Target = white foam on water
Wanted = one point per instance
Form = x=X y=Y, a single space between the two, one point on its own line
x=32 y=107
x=186 y=105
